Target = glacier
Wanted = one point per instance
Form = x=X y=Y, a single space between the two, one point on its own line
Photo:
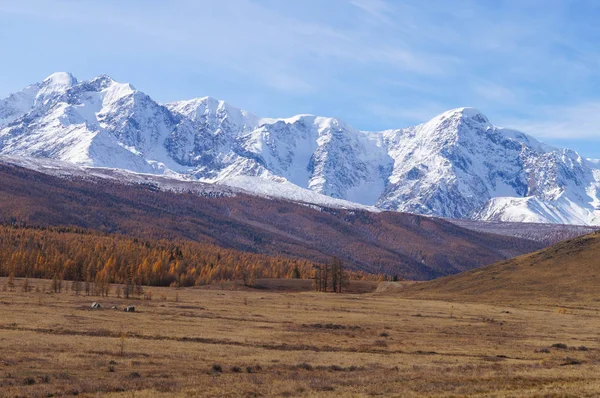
x=456 y=165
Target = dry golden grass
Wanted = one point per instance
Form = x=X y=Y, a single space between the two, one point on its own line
x=270 y=343
x=565 y=274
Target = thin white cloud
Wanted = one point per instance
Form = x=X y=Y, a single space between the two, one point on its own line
x=94 y=13
x=289 y=82
x=378 y=9
x=414 y=114
x=244 y=35
x=418 y=62
x=493 y=92
x=580 y=121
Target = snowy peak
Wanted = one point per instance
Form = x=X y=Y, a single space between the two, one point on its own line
x=60 y=80
x=456 y=124
x=99 y=83
x=55 y=84
x=18 y=104
x=98 y=122
x=214 y=112
x=457 y=165
x=465 y=114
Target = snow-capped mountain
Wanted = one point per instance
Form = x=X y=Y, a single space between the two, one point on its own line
x=457 y=165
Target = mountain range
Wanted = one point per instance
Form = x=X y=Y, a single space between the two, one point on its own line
x=457 y=165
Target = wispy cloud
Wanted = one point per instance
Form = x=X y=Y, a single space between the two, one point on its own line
x=378 y=9
x=94 y=13
x=267 y=41
x=492 y=91
x=417 y=62
x=581 y=121
x=290 y=83
x=413 y=114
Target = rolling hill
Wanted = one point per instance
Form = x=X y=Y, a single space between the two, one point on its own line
x=568 y=271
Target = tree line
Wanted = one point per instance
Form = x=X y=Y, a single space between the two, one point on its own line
x=94 y=258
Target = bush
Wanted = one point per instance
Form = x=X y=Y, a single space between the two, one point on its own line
x=29 y=381
x=253 y=369
x=236 y=369
x=305 y=366
x=216 y=368
x=571 y=361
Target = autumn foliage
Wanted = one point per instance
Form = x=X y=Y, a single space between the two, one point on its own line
x=83 y=255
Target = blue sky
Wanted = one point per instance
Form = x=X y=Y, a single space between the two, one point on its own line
x=377 y=64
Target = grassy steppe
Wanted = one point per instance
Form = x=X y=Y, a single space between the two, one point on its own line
x=286 y=342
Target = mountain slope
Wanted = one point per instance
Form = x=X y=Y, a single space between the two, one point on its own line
x=457 y=165
x=411 y=246
x=547 y=234
x=565 y=272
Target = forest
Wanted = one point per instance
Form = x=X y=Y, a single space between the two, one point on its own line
x=78 y=254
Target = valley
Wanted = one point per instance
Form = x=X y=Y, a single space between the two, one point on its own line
x=299 y=198
x=524 y=327
x=481 y=309
x=232 y=341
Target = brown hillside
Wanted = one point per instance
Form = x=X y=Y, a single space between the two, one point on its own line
x=411 y=246
x=565 y=272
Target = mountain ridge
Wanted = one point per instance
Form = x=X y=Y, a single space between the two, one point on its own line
x=457 y=165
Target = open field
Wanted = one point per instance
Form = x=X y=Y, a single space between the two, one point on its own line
x=211 y=342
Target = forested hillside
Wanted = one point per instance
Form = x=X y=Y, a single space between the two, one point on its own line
x=82 y=255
